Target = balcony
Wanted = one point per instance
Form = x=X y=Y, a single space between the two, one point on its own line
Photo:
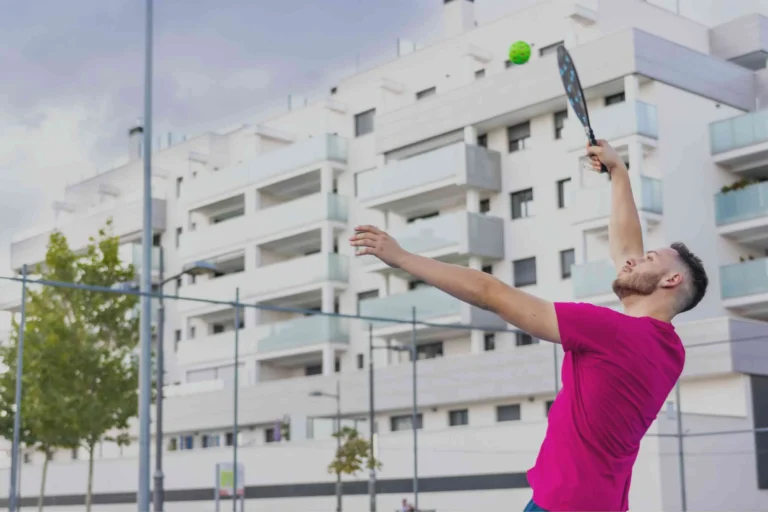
x=591 y=207
x=744 y=287
x=268 y=168
x=433 y=306
x=742 y=215
x=452 y=237
x=269 y=225
x=593 y=281
x=265 y=341
x=126 y=214
x=741 y=143
x=617 y=122
x=298 y=276
x=430 y=180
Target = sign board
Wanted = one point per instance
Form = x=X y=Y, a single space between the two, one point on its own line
x=225 y=479
x=225 y=483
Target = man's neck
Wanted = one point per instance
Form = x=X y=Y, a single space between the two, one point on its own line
x=647 y=306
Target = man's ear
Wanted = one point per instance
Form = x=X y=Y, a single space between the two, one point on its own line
x=672 y=280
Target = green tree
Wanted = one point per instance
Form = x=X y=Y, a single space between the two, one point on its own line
x=354 y=454
x=78 y=353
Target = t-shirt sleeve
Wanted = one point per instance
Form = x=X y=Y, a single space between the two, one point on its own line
x=585 y=327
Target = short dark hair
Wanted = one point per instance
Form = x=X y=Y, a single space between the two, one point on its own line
x=698 y=279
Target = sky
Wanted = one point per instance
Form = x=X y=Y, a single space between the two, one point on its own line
x=73 y=75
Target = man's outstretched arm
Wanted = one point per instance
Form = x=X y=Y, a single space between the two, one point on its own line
x=625 y=235
x=531 y=314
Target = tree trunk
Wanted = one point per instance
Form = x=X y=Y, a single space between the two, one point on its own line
x=89 y=491
x=42 y=482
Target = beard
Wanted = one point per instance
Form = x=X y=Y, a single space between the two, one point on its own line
x=643 y=284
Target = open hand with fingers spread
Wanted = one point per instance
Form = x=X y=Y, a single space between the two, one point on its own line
x=371 y=240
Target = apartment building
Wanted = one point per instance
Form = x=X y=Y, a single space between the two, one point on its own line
x=464 y=157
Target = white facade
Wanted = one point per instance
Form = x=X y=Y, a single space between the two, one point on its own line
x=480 y=171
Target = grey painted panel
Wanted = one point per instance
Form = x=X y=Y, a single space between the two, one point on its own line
x=749 y=346
x=497 y=481
x=485 y=236
x=739 y=37
x=483 y=319
x=483 y=168
x=445 y=139
x=689 y=70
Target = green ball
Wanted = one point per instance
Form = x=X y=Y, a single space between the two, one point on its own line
x=519 y=52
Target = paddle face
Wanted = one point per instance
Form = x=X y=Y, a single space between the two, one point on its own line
x=575 y=93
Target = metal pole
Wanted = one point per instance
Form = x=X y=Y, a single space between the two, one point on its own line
x=372 y=476
x=158 y=494
x=338 y=443
x=13 y=495
x=680 y=452
x=237 y=398
x=414 y=415
x=557 y=376
x=145 y=370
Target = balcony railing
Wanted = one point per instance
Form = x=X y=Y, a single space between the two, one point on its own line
x=739 y=132
x=743 y=279
x=429 y=302
x=303 y=332
x=741 y=205
x=593 y=279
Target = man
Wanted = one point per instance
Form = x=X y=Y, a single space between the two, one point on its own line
x=618 y=369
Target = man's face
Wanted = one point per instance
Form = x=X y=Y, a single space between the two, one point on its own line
x=644 y=275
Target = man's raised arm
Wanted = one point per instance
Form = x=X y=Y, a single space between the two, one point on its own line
x=625 y=235
x=531 y=314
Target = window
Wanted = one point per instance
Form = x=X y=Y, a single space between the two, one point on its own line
x=614 y=98
x=550 y=49
x=548 y=406
x=482 y=140
x=187 y=442
x=523 y=339
x=178 y=236
x=179 y=181
x=422 y=217
x=489 y=342
x=75 y=454
x=524 y=271
x=27 y=458
x=360 y=361
x=398 y=423
x=218 y=328
x=509 y=64
x=560 y=118
x=485 y=205
x=178 y=284
x=364 y=122
x=488 y=269
x=209 y=441
x=228 y=439
x=415 y=285
x=519 y=136
x=567 y=259
x=269 y=435
x=173 y=444
x=337 y=365
x=177 y=335
x=564 y=193
x=192 y=331
x=457 y=418
x=315 y=369
x=480 y=73
x=430 y=350
x=522 y=203
x=49 y=456
x=370 y=294
x=508 y=413
x=426 y=93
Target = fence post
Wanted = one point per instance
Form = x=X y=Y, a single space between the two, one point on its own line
x=414 y=414
x=237 y=398
x=12 y=504
x=680 y=450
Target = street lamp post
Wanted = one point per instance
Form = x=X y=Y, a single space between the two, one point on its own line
x=372 y=409
x=337 y=397
x=196 y=268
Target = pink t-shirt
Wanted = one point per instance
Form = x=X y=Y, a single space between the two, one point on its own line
x=617 y=372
